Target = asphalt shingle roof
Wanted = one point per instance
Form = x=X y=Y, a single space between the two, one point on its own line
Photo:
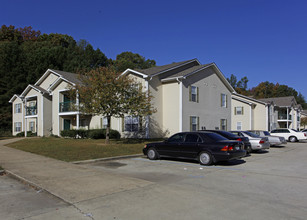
x=157 y=69
x=72 y=77
x=281 y=101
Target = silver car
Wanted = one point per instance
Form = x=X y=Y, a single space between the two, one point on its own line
x=273 y=140
x=258 y=143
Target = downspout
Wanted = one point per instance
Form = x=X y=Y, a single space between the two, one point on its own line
x=287 y=117
x=267 y=118
x=180 y=104
x=147 y=117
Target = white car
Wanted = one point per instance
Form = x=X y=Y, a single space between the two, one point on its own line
x=257 y=143
x=290 y=134
x=273 y=140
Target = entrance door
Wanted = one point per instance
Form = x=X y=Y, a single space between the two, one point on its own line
x=66 y=124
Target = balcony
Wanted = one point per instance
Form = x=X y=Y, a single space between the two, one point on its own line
x=284 y=117
x=31 y=110
x=66 y=106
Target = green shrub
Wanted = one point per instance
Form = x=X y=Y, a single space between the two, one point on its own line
x=68 y=133
x=29 y=134
x=114 y=134
x=96 y=134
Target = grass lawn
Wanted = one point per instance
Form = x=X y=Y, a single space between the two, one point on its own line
x=79 y=149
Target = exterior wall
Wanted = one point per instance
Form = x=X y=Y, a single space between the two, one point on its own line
x=48 y=81
x=245 y=118
x=171 y=107
x=259 y=117
x=34 y=95
x=208 y=109
x=57 y=121
x=47 y=115
x=17 y=117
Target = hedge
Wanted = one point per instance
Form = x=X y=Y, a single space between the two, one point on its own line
x=93 y=134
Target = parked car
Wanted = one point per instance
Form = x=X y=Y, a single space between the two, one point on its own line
x=305 y=130
x=273 y=140
x=258 y=143
x=290 y=134
x=231 y=136
x=206 y=147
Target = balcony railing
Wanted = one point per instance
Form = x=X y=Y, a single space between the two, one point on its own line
x=284 y=117
x=31 y=110
x=66 y=106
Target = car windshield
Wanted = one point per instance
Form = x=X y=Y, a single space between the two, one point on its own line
x=213 y=137
x=294 y=130
x=251 y=134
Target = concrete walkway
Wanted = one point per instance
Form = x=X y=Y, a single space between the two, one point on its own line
x=70 y=182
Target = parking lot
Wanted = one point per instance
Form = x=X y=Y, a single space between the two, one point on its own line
x=267 y=185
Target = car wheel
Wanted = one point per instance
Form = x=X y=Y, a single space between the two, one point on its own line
x=249 y=149
x=205 y=158
x=292 y=139
x=152 y=154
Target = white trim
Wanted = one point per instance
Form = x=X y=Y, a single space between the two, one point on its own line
x=251 y=99
x=68 y=113
x=266 y=117
x=180 y=106
x=42 y=114
x=250 y=125
x=31 y=116
x=15 y=96
x=133 y=71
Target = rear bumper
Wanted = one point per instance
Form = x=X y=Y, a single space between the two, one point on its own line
x=224 y=156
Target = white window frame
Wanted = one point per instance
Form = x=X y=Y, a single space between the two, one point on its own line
x=239 y=126
x=224 y=100
x=104 y=122
x=32 y=128
x=237 y=111
x=16 y=127
x=194 y=123
x=194 y=94
x=131 y=124
x=18 y=108
x=223 y=124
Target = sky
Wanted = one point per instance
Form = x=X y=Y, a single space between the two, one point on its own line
x=264 y=40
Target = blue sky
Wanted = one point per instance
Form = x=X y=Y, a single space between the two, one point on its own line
x=264 y=40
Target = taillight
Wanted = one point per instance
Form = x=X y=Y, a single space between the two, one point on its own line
x=305 y=134
x=239 y=139
x=145 y=146
x=227 y=148
x=261 y=142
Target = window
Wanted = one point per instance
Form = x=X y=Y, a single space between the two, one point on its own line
x=239 y=110
x=131 y=123
x=193 y=94
x=224 y=124
x=104 y=122
x=239 y=126
x=176 y=138
x=18 y=108
x=192 y=138
x=194 y=123
x=224 y=100
x=82 y=123
x=32 y=126
x=17 y=126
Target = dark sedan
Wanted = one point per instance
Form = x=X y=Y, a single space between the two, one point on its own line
x=206 y=147
x=231 y=136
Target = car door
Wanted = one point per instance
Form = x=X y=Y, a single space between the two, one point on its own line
x=171 y=147
x=190 y=147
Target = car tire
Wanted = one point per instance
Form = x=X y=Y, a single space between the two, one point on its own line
x=249 y=149
x=205 y=158
x=152 y=154
x=292 y=139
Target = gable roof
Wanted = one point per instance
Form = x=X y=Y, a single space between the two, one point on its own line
x=282 y=101
x=250 y=99
x=153 y=71
x=67 y=76
x=37 y=88
x=15 y=96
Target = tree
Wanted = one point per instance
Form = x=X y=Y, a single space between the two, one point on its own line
x=233 y=81
x=304 y=121
x=103 y=91
x=131 y=60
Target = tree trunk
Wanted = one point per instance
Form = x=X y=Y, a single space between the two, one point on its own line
x=108 y=130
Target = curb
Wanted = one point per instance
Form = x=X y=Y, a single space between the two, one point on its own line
x=33 y=185
x=106 y=159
